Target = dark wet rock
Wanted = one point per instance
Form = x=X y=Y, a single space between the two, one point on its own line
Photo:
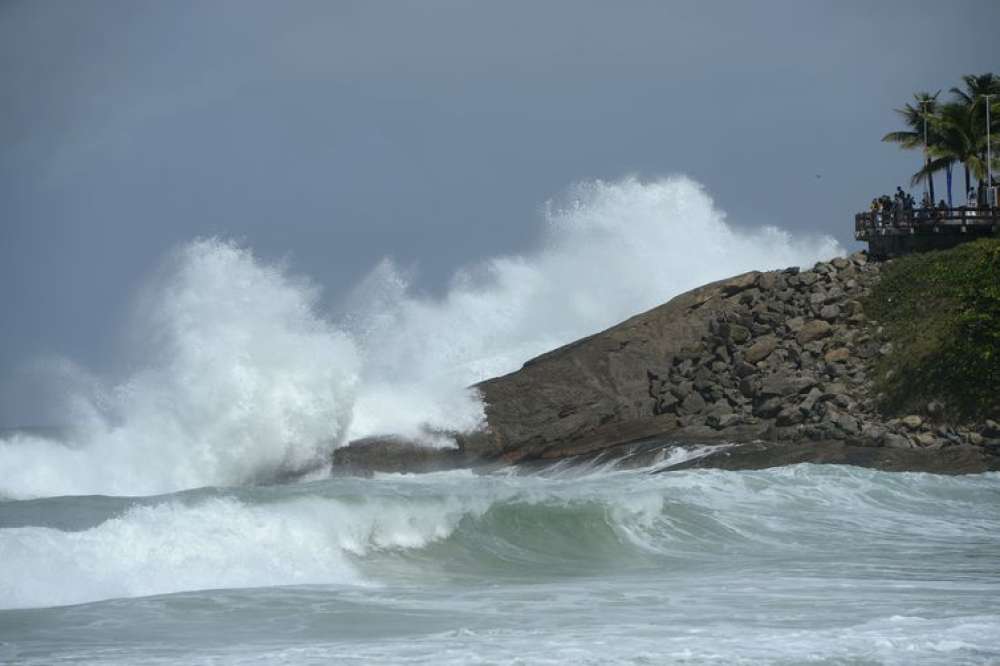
x=764 y=454
x=395 y=454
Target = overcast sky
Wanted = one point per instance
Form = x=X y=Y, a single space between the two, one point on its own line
x=335 y=133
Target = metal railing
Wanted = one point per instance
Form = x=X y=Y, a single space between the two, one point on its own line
x=925 y=220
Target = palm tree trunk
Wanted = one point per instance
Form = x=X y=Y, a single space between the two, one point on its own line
x=947 y=175
x=930 y=181
x=968 y=182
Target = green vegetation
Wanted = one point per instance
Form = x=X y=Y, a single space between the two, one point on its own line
x=955 y=131
x=941 y=312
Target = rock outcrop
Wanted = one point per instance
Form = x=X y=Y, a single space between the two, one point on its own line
x=780 y=357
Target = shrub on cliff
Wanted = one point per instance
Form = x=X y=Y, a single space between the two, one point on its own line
x=941 y=312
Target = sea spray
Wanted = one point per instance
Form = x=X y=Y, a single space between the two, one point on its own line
x=242 y=380
x=239 y=381
x=608 y=250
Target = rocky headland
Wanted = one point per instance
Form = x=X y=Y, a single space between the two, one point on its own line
x=778 y=365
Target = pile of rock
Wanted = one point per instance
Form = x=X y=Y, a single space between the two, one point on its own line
x=789 y=352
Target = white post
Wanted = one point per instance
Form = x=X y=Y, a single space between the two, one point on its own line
x=923 y=109
x=989 y=152
x=989 y=147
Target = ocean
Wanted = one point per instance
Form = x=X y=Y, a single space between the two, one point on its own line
x=184 y=511
x=801 y=564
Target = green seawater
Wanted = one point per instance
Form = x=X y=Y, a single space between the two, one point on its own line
x=802 y=564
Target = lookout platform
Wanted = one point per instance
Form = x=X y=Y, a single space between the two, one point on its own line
x=921 y=229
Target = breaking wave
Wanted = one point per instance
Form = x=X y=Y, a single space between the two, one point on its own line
x=243 y=379
x=499 y=528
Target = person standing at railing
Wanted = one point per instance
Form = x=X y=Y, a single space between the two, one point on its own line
x=973 y=203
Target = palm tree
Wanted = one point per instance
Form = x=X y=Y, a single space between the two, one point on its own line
x=955 y=141
x=919 y=119
x=973 y=98
x=975 y=87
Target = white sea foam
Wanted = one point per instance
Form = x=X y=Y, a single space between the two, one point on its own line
x=219 y=543
x=239 y=380
x=242 y=379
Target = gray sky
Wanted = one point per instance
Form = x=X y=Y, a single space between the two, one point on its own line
x=336 y=133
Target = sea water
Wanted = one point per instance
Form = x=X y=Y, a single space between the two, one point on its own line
x=184 y=510
x=802 y=564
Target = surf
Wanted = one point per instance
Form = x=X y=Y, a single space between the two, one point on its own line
x=241 y=376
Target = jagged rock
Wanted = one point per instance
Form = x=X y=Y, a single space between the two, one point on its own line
x=734 y=332
x=749 y=386
x=990 y=429
x=847 y=424
x=809 y=402
x=813 y=330
x=760 y=349
x=837 y=355
x=840 y=263
x=703 y=378
x=769 y=408
x=789 y=415
x=873 y=434
x=665 y=402
x=926 y=439
x=896 y=441
x=767 y=281
x=795 y=324
x=738 y=283
x=723 y=421
x=682 y=390
x=808 y=278
x=834 y=295
x=768 y=318
x=692 y=404
x=912 y=421
x=784 y=385
x=829 y=312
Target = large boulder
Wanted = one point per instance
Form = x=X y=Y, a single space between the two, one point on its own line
x=606 y=376
x=813 y=330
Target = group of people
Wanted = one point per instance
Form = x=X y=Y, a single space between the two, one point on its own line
x=900 y=206
x=886 y=208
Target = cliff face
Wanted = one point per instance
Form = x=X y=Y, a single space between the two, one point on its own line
x=779 y=361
